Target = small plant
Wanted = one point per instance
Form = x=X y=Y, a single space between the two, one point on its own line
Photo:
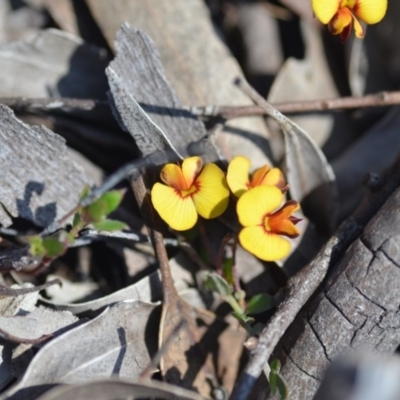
x=95 y=214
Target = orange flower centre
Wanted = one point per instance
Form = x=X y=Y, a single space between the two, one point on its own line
x=193 y=189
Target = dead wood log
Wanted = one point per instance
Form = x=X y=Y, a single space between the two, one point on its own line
x=358 y=306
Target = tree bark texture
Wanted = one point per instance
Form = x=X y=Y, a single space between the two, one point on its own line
x=358 y=307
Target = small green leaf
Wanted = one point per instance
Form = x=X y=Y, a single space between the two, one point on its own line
x=104 y=205
x=242 y=317
x=77 y=219
x=36 y=246
x=85 y=192
x=53 y=246
x=275 y=366
x=216 y=283
x=272 y=382
x=259 y=303
x=109 y=225
x=227 y=270
x=278 y=385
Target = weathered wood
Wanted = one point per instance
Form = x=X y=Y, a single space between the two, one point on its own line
x=197 y=63
x=358 y=307
x=136 y=76
x=39 y=181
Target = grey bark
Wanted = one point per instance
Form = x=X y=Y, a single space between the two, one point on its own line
x=357 y=308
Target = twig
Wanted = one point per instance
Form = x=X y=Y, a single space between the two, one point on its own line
x=12 y=292
x=146 y=374
x=46 y=104
x=143 y=200
x=15 y=339
x=380 y=99
x=89 y=235
x=303 y=285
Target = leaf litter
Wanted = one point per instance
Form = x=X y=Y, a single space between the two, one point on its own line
x=109 y=346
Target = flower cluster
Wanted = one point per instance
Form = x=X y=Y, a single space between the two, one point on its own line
x=192 y=189
x=342 y=15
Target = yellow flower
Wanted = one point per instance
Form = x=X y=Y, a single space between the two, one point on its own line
x=190 y=190
x=340 y=15
x=263 y=222
x=239 y=181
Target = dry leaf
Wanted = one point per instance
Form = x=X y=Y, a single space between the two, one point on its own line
x=34 y=325
x=110 y=389
x=45 y=183
x=197 y=63
x=115 y=343
x=146 y=290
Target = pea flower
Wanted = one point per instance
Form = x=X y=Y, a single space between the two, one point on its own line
x=190 y=190
x=263 y=222
x=341 y=15
x=239 y=180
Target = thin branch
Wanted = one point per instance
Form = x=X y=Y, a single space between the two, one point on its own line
x=88 y=235
x=49 y=104
x=15 y=339
x=12 y=292
x=380 y=99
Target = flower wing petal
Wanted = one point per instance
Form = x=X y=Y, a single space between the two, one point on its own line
x=255 y=203
x=259 y=175
x=178 y=212
x=342 y=19
x=237 y=175
x=191 y=167
x=212 y=196
x=274 y=178
x=370 y=11
x=358 y=29
x=324 y=10
x=266 y=246
x=280 y=223
x=172 y=175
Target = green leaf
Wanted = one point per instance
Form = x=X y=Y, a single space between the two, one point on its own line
x=77 y=219
x=216 y=283
x=259 y=303
x=84 y=193
x=278 y=385
x=53 y=246
x=275 y=366
x=109 y=225
x=242 y=317
x=36 y=246
x=104 y=205
x=272 y=382
x=227 y=270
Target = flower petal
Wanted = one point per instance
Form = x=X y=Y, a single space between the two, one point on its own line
x=370 y=11
x=324 y=10
x=274 y=178
x=191 y=167
x=342 y=19
x=212 y=195
x=255 y=203
x=280 y=223
x=266 y=246
x=259 y=175
x=237 y=175
x=172 y=175
x=358 y=29
x=178 y=212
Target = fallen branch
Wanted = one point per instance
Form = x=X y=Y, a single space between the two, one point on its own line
x=380 y=99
